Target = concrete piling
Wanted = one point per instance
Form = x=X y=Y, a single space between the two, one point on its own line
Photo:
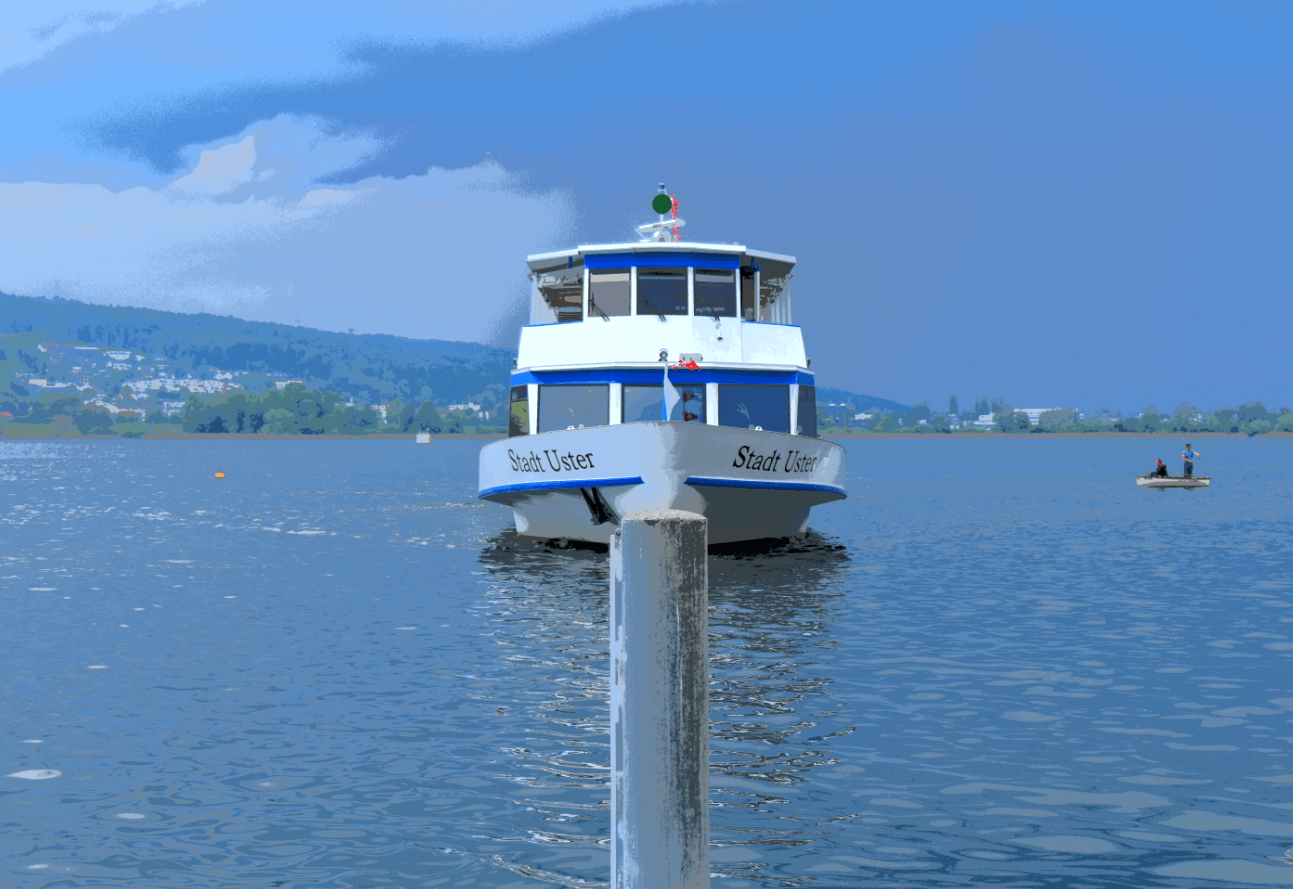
x=660 y=702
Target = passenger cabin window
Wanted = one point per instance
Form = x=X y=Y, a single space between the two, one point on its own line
x=609 y=293
x=518 y=417
x=645 y=402
x=716 y=292
x=563 y=290
x=807 y=421
x=662 y=291
x=573 y=406
x=754 y=407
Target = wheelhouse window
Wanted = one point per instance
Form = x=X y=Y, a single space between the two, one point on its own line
x=748 y=300
x=573 y=406
x=645 y=402
x=662 y=291
x=807 y=420
x=716 y=292
x=518 y=416
x=754 y=407
x=609 y=293
x=563 y=290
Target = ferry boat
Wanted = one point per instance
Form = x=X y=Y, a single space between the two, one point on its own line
x=656 y=374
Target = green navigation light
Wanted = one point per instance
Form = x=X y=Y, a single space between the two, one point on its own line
x=661 y=203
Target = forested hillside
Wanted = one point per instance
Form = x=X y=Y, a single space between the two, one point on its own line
x=372 y=368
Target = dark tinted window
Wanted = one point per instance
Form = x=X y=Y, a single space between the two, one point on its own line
x=807 y=424
x=644 y=402
x=662 y=291
x=608 y=293
x=573 y=406
x=754 y=407
x=716 y=292
x=518 y=417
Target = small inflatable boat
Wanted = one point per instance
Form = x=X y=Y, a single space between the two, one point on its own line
x=1173 y=481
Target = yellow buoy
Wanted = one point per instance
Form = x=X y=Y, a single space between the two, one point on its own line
x=219 y=475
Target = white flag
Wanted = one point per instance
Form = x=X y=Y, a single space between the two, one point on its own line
x=671 y=396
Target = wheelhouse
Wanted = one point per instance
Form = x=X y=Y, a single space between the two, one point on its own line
x=601 y=283
x=607 y=320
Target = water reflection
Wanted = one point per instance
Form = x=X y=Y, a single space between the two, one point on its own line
x=772 y=613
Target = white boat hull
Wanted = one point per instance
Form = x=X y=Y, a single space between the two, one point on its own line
x=577 y=483
x=1154 y=481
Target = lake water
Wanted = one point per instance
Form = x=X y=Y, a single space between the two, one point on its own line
x=997 y=663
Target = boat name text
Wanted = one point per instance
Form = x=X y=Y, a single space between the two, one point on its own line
x=532 y=462
x=748 y=459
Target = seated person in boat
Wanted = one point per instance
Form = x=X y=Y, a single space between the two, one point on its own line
x=1160 y=471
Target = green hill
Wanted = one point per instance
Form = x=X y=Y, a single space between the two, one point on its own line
x=372 y=368
x=827 y=395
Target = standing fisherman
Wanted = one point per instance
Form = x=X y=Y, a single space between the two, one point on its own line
x=1188 y=457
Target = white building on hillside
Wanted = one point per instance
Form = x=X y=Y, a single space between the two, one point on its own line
x=188 y=384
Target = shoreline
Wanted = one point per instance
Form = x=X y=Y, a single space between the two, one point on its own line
x=236 y=436
x=1046 y=435
x=6 y=435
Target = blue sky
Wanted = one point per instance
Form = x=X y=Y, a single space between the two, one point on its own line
x=1063 y=203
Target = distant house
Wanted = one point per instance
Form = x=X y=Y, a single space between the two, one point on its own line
x=283 y=384
x=116 y=355
x=984 y=421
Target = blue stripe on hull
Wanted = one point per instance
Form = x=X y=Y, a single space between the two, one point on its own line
x=765 y=485
x=559 y=485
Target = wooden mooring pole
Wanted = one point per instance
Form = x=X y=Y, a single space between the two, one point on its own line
x=660 y=702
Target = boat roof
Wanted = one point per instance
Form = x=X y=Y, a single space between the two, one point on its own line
x=778 y=264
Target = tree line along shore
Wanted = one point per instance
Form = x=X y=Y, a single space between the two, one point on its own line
x=994 y=416
x=297 y=410
x=294 y=410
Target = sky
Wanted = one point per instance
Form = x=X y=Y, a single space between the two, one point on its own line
x=1063 y=204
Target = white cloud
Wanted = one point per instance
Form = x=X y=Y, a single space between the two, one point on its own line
x=219 y=170
x=30 y=30
x=435 y=255
x=294 y=38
